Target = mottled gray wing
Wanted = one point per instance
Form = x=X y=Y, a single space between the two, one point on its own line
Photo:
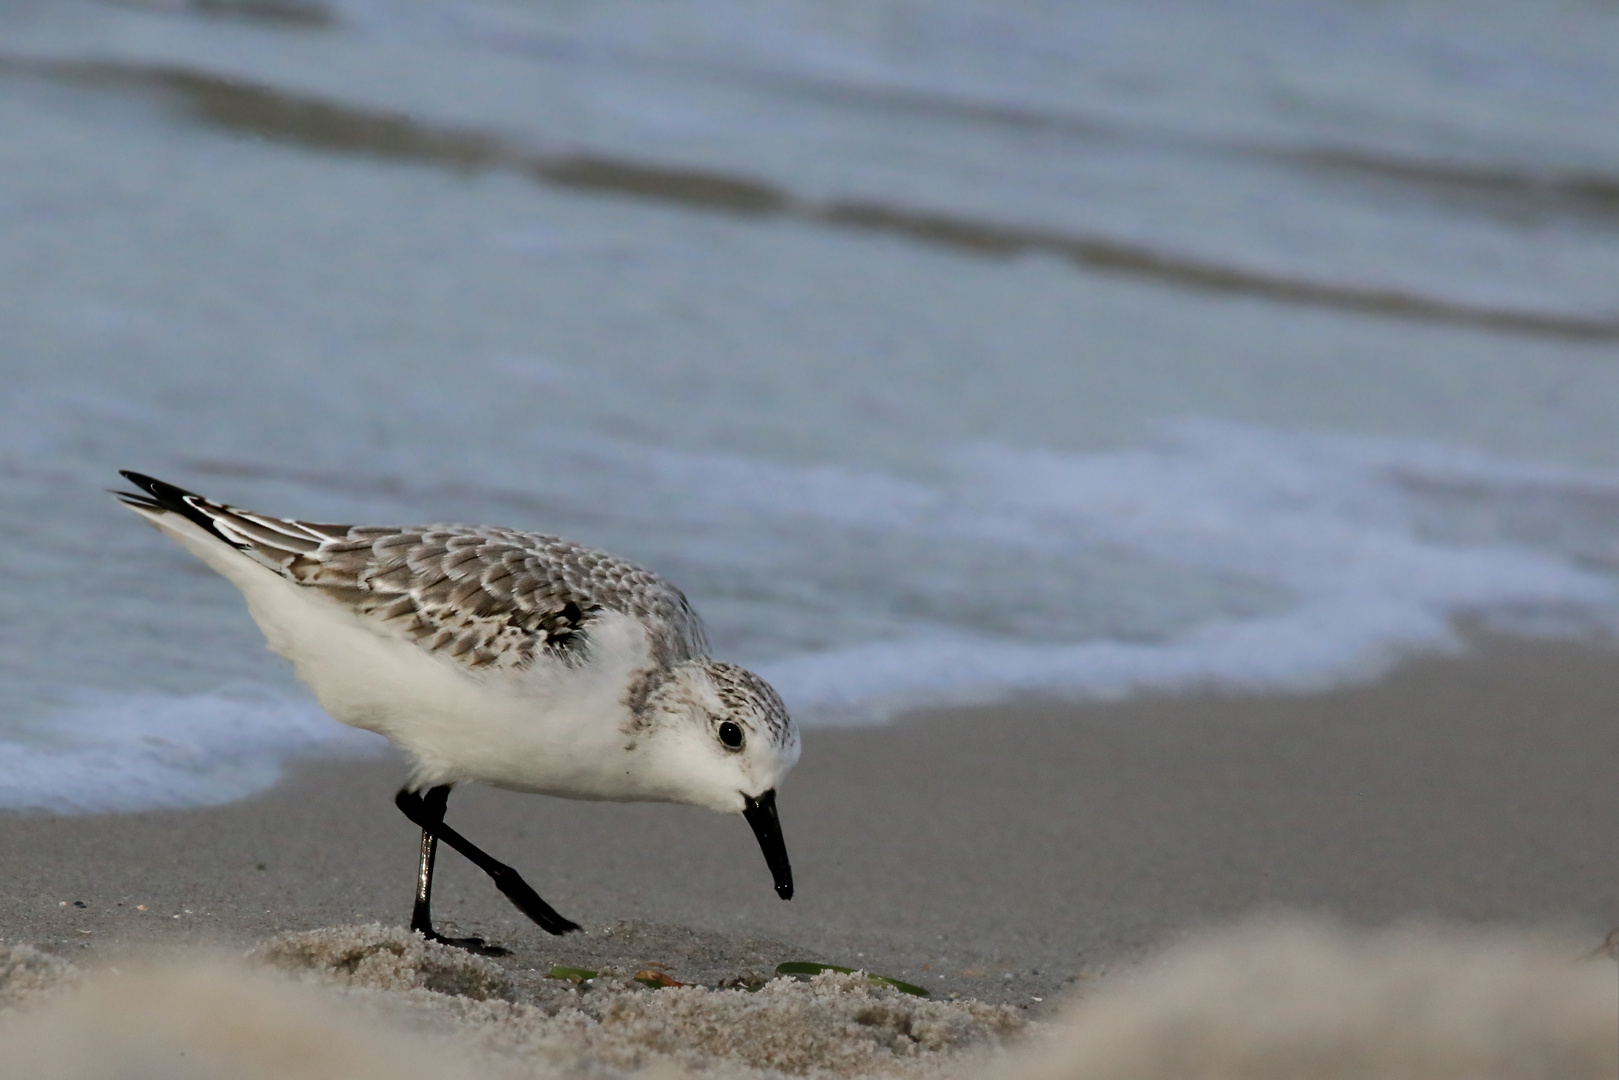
x=487 y=597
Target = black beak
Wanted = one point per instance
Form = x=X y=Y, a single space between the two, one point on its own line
x=761 y=814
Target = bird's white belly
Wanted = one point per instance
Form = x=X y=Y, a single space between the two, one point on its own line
x=553 y=728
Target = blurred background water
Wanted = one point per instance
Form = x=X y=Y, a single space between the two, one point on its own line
x=942 y=351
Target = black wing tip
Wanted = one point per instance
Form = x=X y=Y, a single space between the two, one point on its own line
x=144 y=499
x=166 y=495
x=160 y=495
x=140 y=480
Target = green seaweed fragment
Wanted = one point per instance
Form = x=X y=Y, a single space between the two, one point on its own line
x=808 y=967
x=577 y=975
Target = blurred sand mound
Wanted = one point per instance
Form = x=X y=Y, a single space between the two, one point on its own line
x=1303 y=1000
x=210 y=1019
x=1276 y=999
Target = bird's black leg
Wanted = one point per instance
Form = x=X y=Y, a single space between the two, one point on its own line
x=431 y=809
x=428 y=812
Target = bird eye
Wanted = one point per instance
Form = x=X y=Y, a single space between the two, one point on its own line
x=731 y=735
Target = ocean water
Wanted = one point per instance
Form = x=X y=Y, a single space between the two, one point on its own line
x=942 y=352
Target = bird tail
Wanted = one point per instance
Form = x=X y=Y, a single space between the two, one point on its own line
x=157 y=498
x=270 y=541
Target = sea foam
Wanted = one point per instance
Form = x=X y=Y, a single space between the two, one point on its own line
x=1377 y=545
x=107 y=752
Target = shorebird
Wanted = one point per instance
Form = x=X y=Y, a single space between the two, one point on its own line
x=514 y=659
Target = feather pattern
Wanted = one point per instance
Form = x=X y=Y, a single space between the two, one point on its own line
x=489 y=598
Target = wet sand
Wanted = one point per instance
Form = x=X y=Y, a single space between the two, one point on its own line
x=996 y=853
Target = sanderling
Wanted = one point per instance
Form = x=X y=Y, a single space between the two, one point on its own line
x=515 y=659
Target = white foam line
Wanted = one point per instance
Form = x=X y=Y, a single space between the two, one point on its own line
x=109 y=752
x=1322 y=518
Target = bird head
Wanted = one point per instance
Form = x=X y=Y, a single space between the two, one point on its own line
x=725 y=741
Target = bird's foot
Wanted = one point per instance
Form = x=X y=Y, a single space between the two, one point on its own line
x=470 y=944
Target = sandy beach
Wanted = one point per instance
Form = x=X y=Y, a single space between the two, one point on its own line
x=1004 y=854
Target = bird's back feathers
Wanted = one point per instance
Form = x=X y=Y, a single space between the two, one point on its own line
x=488 y=598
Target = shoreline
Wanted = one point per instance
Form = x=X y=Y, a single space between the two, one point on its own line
x=1003 y=854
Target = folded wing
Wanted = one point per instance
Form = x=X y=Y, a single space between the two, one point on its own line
x=488 y=598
